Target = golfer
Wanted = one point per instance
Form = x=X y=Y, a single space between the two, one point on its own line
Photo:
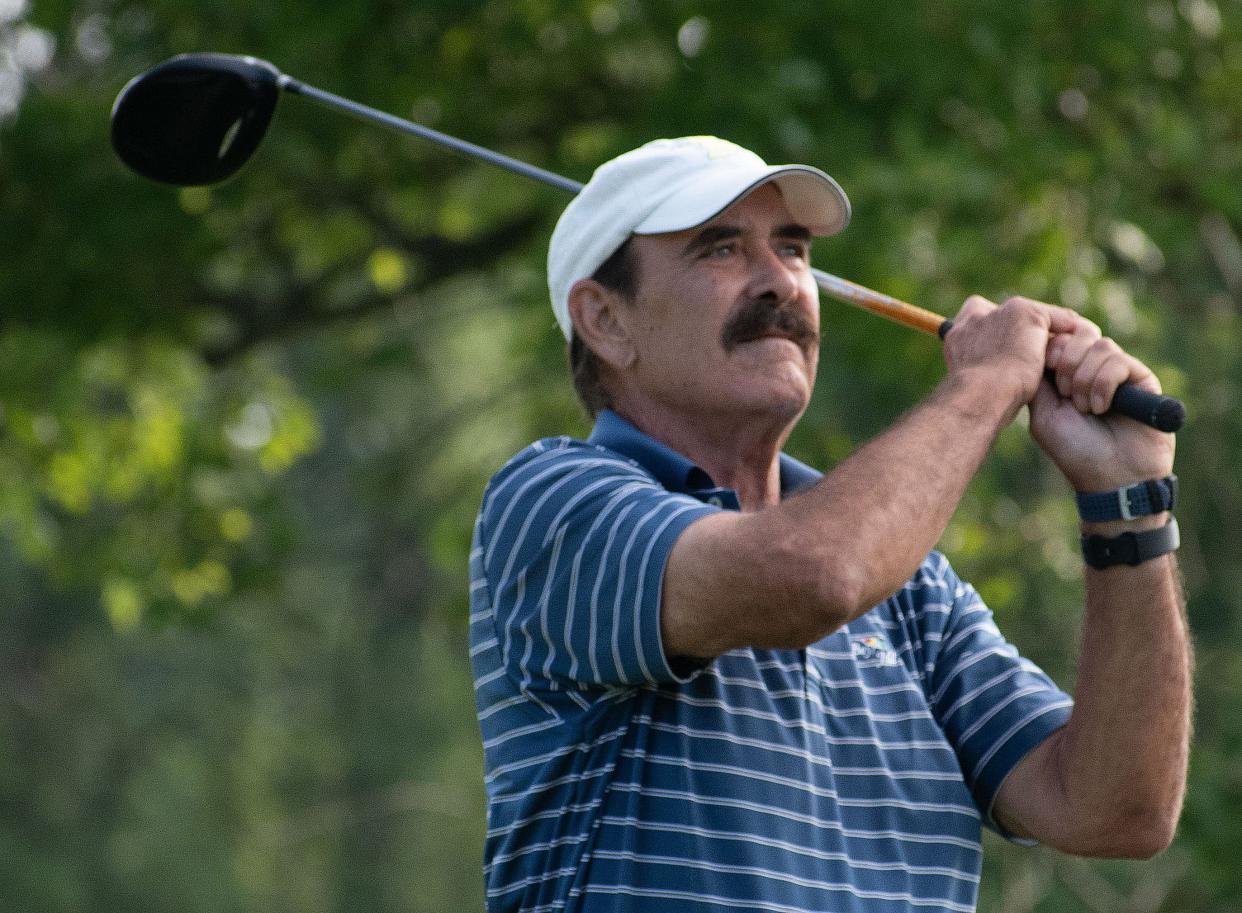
x=710 y=678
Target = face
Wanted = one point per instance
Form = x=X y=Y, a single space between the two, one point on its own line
x=726 y=316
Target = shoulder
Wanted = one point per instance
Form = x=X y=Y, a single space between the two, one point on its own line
x=551 y=459
x=558 y=477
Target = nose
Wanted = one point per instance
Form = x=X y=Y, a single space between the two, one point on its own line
x=771 y=278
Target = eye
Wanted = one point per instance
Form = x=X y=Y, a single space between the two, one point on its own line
x=721 y=250
x=795 y=249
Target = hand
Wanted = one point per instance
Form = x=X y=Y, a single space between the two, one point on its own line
x=1096 y=452
x=1006 y=346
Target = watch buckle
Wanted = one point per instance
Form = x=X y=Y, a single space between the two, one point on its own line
x=1123 y=501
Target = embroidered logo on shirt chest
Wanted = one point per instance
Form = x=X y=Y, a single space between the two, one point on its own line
x=870 y=648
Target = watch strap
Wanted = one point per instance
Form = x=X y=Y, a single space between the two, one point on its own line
x=1137 y=500
x=1131 y=548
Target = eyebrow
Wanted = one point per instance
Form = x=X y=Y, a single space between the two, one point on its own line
x=713 y=234
x=794 y=232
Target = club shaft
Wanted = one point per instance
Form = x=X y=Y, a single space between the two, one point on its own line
x=364 y=112
x=878 y=303
x=838 y=288
x=1161 y=412
x=835 y=286
x=1165 y=413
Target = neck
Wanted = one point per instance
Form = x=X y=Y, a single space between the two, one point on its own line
x=738 y=452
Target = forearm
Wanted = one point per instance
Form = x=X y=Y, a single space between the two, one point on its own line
x=818 y=560
x=875 y=516
x=788 y=575
x=1124 y=751
x=1111 y=782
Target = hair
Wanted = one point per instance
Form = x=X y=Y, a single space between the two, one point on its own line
x=617 y=274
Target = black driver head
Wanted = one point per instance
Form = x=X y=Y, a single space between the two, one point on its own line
x=194 y=119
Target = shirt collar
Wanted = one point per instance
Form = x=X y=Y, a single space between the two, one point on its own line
x=674 y=471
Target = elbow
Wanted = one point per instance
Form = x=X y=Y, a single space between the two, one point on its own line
x=808 y=583
x=1135 y=834
x=807 y=598
x=837 y=597
x=845 y=585
x=1148 y=836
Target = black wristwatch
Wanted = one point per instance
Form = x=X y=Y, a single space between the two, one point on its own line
x=1130 y=548
x=1138 y=500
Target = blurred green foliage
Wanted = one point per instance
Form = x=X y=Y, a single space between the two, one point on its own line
x=244 y=429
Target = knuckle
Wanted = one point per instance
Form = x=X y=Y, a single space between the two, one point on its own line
x=977 y=304
x=1084 y=328
x=1104 y=347
x=1027 y=309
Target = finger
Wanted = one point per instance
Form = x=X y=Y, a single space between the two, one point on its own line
x=1112 y=374
x=1068 y=350
x=1105 y=368
x=1060 y=319
x=1055 y=351
x=1102 y=368
x=1141 y=375
x=1066 y=320
x=1079 y=328
x=974 y=306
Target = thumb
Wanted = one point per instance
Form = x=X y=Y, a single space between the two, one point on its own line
x=1047 y=409
x=1045 y=401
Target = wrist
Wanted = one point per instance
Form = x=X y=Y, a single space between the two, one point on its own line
x=981 y=395
x=1110 y=528
x=1131 y=548
x=1109 y=478
x=1129 y=524
x=1129 y=502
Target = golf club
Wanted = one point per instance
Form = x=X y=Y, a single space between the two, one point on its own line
x=197 y=118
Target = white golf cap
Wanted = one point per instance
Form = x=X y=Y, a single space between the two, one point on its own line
x=671 y=185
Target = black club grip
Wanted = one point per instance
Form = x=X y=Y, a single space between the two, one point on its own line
x=1164 y=413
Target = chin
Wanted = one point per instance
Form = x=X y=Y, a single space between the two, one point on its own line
x=792 y=409
x=764 y=388
x=786 y=403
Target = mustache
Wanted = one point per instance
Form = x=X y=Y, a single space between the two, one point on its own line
x=758 y=318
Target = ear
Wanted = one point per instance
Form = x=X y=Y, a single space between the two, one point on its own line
x=599 y=317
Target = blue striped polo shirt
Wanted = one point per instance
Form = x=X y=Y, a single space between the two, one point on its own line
x=850 y=775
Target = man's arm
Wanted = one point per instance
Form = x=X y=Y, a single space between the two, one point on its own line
x=1110 y=783
x=788 y=575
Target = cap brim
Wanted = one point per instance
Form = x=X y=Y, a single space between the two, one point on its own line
x=812 y=197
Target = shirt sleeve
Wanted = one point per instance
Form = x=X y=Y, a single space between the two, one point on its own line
x=994 y=705
x=575 y=540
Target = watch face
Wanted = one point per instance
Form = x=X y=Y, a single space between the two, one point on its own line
x=1102 y=552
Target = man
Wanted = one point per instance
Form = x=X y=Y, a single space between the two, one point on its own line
x=710 y=679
